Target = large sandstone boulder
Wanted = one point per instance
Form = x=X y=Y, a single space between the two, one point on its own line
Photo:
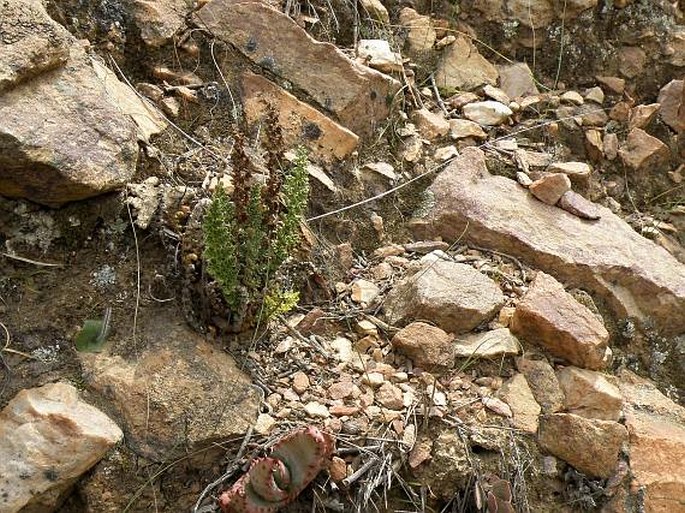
x=71 y=133
x=359 y=96
x=636 y=277
x=48 y=438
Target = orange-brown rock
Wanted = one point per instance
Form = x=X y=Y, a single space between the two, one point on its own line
x=427 y=346
x=359 y=96
x=549 y=316
x=430 y=125
x=550 y=188
x=633 y=275
x=590 y=394
x=657 y=452
x=656 y=427
x=641 y=151
x=642 y=115
x=590 y=445
x=301 y=123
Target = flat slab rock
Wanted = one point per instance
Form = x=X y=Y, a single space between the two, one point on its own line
x=356 y=94
x=454 y=296
x=301 y=123
x=636 y=277
x=182 y=391
x=48 y=438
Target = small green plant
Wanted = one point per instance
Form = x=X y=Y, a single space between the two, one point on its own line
x=250 y=233
x=91 y=338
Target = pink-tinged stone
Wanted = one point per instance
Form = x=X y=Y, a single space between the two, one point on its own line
x=550 y=188
x=642 y=151
x=634 y=276
x=549 y=316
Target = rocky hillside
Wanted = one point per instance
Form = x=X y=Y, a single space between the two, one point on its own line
x=490 y=273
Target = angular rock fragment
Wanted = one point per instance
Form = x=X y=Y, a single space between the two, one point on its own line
x=549 y=316
x=543 y=383
x=462 y=67
x=577 y=205
x=594 y=94
x=578 y=172
x=489 y=112
x=181 y=391
x=590 y=445
x=158 y=21
x=657 y=444
x=427 y=346
x=430 y=125
x=376 y=10
x=364 y=291
x=32 y=42
x=64 y=136
x=616 y=85
x=589 y=394
x=642 y=115
x=48 y=438
x=643 y=151
x=671 y=98
x=421 y=34
x=463 y=128
x=636 y=277
x=454 y=296
x=376 y=53
x=490 y=344
x=550 y=188
x=517 y=80
x=517 y=394
x=300 y=123
x=534 y=14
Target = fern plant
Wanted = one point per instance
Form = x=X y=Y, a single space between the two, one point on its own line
x=249 y=234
